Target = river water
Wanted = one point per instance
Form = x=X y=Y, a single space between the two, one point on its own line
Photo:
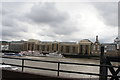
x=79 y=68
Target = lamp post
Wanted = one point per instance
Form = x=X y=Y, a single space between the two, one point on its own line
x=117 y=42
x=117 y=47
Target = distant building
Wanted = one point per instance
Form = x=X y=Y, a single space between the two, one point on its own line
x=46 y=47
x=32 y=45
x=96 y=47
x=62 y=47
x=17 y=46
x=85 y=47
x=4 y=45
x=110 y=49
x=68 y=47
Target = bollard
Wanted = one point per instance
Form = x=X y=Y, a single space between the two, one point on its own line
x=103 y=69
x=58 y=68
x=22 y=65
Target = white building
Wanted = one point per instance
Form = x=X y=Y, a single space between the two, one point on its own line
x=117 y=42
x=4 y=47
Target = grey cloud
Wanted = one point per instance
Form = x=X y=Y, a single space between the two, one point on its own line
x=109 y=11
x=64 y=29
x=7 y=21
x=10 y=35
x=42 y=13
x=46 y=13
x=11 y=27
x=45 y=33
x=50 y=35
x=9 y=8
x=9 y=31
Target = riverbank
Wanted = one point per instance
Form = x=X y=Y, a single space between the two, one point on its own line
x=81 y=56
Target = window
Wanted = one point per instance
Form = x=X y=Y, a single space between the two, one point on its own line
x=52 y=46
x=61 y=48
x=47 y=47
x=57 y=47
x=43 y=47
x=81 y=50
x=73 y=49
x=67 y=49
x=86 y=49
x=98 y=47
x=94 y=47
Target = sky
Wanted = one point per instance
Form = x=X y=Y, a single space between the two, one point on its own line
x=59 y=21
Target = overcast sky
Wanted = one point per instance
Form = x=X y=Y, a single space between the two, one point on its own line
x=60 y=21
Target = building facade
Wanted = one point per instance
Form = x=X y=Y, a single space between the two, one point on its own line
x=17 y=46
x=110 y=49
x=68 y=47
x=32 y=45
x=84 y=47
x=4 y=45
x=96 y=47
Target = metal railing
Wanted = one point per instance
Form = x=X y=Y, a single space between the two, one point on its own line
x=58 y=70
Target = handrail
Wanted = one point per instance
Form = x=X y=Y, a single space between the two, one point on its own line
x=58 y=69
x=59 y=62
x=62 y=70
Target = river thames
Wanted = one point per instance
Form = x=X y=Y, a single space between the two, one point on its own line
x=78 y=68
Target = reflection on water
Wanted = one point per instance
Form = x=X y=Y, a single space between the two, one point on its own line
x=79 y=68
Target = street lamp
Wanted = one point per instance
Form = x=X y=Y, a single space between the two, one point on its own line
x=117 y=41
x=117 y=46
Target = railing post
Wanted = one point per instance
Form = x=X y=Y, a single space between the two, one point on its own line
x=3 y=63
x=58 y=68
x=103 y=68
x=22 y=65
